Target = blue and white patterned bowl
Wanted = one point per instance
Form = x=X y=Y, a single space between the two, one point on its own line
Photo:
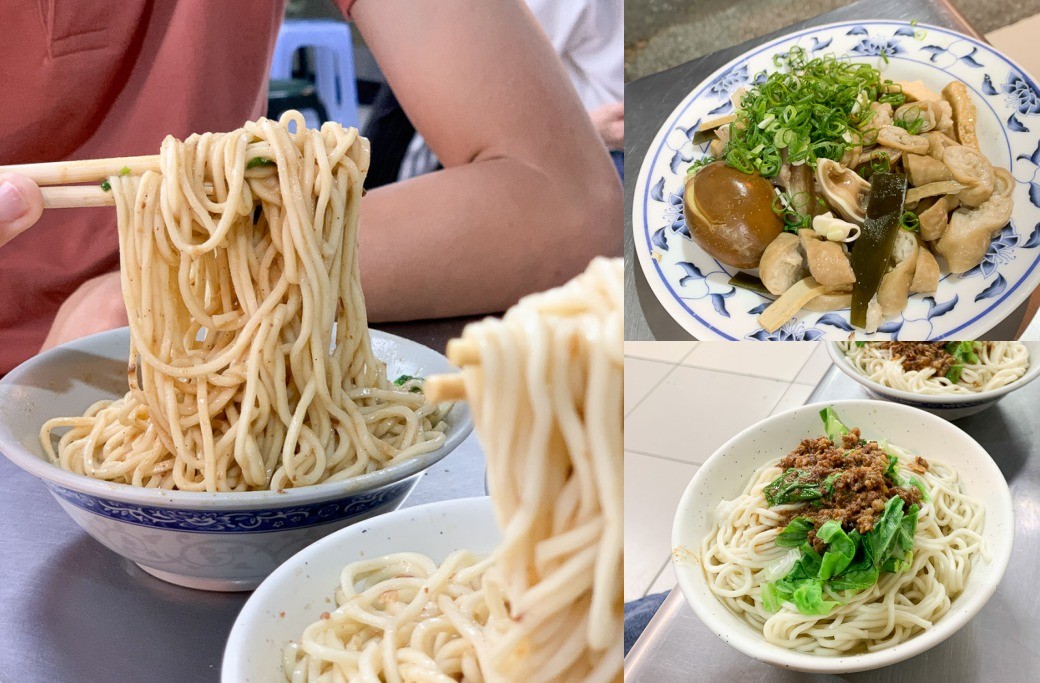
x=693 y=287
x=211 y=541
x=950 y=407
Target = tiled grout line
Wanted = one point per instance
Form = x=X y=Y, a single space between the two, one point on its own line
x=807 y=361
x=662 y=457
x=654 y=387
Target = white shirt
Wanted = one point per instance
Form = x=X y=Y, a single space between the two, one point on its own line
x=588 y=35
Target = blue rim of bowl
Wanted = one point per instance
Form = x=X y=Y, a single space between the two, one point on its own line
x=52 y=475
x=650 y=160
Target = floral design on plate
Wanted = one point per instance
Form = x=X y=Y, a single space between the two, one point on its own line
x=694 y=288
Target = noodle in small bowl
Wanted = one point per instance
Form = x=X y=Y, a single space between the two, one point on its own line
x=302 y=591
x=958 y=460
x=208 y=540
x=1002 y=370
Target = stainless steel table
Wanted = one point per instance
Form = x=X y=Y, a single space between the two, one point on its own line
x=649 y=100
x=71 y=610
x=1002 y=643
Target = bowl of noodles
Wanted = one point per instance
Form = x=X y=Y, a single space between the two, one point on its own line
x=303 y=604
x=949 y=379
x=843 y=537
x=212 y=540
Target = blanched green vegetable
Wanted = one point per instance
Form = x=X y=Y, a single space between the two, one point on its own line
x=833 y=425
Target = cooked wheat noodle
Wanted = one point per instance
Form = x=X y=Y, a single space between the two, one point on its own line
x=737 y=555
x=547 y=402
x=250 y=362
x=1000 y=364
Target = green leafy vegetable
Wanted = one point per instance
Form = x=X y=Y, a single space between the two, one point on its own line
x=833 y=425
x=963 y=353
x=260 y=161
x=793 y=486
x=795 y=533
x=840 y=550
x=106 y=186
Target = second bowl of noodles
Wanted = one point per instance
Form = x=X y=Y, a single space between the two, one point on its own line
x=902 y=613
x=903 y=372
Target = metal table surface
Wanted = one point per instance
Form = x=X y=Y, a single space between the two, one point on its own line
x=649 y=100
x=73 y=610
x=1002 y=642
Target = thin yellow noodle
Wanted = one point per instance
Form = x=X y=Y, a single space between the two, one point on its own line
x=546 y=604
x=250 y=337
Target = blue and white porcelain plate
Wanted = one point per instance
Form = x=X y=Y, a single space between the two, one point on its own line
x=693 y=287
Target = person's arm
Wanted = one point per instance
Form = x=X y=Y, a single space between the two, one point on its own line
x=528 y=194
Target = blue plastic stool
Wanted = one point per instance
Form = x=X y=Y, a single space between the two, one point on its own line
x=333 y=61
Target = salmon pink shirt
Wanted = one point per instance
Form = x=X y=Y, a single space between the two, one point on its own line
x=82 y=79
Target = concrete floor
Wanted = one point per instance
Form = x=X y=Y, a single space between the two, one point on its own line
x=660 y=34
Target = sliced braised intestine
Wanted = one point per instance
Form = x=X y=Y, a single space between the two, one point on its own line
x=925 y=111
x=926 y=275
x=845 y=191
x=924 y=169
x=916 y=91
x=798 y=181
x=895 y=285
x=881 y=117
x=968 y=236
x=956 y=93
x=971 y=168
x=828 y=262
x=945 y=124
x=783 y=263
x=937 y=143
x=898 y=138
x=936 y=216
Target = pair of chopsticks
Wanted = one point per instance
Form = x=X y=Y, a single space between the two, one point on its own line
x=57 y=179
x=57 y=182
x=438 y=388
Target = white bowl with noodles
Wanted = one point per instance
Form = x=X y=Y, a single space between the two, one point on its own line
x=725 y=474
x=297 y=593
x=948 y=406
x=211 y=541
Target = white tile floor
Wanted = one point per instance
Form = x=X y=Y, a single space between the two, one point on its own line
x=682 y=401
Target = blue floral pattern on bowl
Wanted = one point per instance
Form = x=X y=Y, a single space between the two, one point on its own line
x=694 y=287
x=239 y=521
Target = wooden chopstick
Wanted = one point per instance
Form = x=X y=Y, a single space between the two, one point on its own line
x=438 y=388
x=85 y=171
x=74 y=196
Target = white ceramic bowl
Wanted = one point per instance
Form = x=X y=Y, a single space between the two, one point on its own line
x=950 y=407
x=212 y=541
x=301 y=589
x=726 y=472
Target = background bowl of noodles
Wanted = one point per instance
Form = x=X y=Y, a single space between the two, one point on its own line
x=212 y=541
x=949 y=406
x=297 y=593
x=726 y=473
